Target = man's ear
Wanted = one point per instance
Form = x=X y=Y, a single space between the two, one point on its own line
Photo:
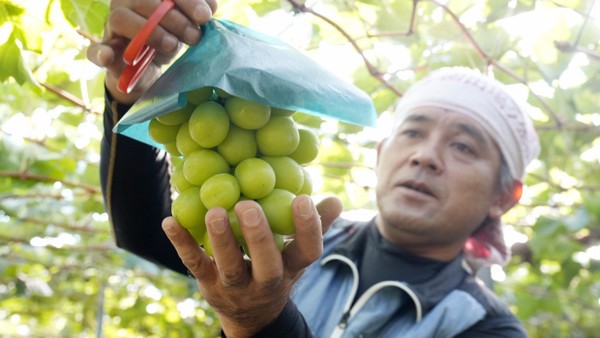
x=508 y=199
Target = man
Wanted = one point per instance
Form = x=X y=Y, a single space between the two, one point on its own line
x=452 y=166
x=445 y=177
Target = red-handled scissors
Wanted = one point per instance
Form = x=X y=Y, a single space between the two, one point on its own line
x=138 y=55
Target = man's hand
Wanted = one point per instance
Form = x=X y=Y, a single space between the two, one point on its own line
x=126 y=18
x=248 y=295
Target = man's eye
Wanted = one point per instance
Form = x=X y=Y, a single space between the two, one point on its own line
x=411 y=133
x=463 y=148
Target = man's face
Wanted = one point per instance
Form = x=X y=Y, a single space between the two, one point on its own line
x=436 y=179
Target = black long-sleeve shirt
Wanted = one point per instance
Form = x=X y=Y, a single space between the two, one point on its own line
x=137 y=192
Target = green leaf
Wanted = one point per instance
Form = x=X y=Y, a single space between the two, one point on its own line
x=586 y=101
x=384 y=99
x=89 y=15
x=13 y=65
x=530 y=304
x=592 y=205
x=394 y=16
x=14 y=14
x=347 y=128
x=364 y=80
x=9 y=271
x=263 y=7
x=577 y=220
x=93 y=205
x=307 y=120
x=10 y=12
x=338 y=159
x=72 y=119
x=546 y=227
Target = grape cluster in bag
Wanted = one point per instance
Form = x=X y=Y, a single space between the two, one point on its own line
x=234 y=149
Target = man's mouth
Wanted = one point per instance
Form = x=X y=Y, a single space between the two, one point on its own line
x=418 y=186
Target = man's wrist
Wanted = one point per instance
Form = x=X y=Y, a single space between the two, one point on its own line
x=288 y=324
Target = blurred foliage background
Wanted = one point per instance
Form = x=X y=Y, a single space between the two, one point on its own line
x=60 y=271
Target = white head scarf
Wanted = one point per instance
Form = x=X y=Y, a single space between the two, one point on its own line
x=486 y=100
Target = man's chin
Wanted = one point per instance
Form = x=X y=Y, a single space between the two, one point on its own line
x=418 y=222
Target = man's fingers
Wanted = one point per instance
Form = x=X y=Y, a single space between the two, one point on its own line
x=127 y=23
x=311 y=223
x=100 y=54
x=195 y=259
x=213 y=5
x=267 y=266
x=329 y=209
x=180 y=21
x=199 y=11
x=226 y=250
x=308 y=243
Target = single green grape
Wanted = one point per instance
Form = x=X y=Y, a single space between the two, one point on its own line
x=171 y=148
x=279 y=137
x=184 y=142
x=307 y=185
x=288 y=173
x=221 y=93
x=178 y=116
x=277 y=207
x=202 y=164
x=220 y=190
x=200 y=95
x=256 y=177
x=209 y=124
x=247 y=114
x=207 y=245
x=189 y=211
x=162 y=133
x=308 y=147
x=282 y=112
x=198 y=234
x=239 y=145
x=178 y=179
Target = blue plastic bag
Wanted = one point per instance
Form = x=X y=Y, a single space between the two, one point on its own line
x=255 y=67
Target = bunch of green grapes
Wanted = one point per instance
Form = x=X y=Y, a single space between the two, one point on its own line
x=233 y=149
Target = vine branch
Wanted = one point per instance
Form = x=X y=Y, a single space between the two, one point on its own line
x=65 y=95
x=301 y=7
x=30 y=176
x=63 y=225
x=561 y=188
x=558 y=122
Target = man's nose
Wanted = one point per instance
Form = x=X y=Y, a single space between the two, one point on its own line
x=428 y=157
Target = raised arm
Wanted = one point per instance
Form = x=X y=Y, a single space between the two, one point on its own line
x=134 y=176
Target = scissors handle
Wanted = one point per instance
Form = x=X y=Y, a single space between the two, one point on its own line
x=131 y=74
x=134 y=52
x=138 y=55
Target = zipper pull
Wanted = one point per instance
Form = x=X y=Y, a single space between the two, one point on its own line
x=344 y=321
x=338 y=331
